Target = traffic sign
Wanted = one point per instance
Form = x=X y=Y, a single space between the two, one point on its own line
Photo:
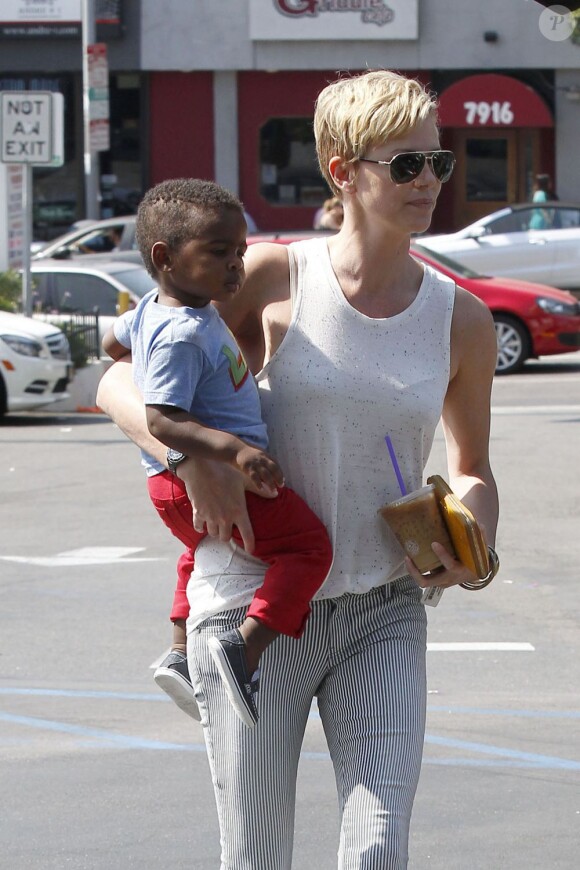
x=26 y=119
x=31 y=128
x=31 y=134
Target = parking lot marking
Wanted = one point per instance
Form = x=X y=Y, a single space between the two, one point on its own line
x=502 y=410
x=124 y=740
x=527 y=714
x=492 y=646
x=499 y=756
x=84 y=556
x=503 y=757
x=515 y=756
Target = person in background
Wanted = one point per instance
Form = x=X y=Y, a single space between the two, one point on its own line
x=351 y=339
x=330 y=216
x=541 y=218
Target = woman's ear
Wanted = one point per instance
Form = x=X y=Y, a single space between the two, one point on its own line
x=161 y=257
x=343 y=174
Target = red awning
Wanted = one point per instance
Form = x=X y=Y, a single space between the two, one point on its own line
x=491 y=100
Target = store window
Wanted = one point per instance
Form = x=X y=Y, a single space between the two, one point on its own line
x=486 y=174
x=121 y=166
x=289 y=173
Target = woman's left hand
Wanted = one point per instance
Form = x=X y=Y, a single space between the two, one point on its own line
x=452 y=571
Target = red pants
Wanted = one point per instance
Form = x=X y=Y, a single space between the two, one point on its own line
x=289 y=538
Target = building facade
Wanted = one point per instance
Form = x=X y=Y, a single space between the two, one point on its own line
x=226 y=91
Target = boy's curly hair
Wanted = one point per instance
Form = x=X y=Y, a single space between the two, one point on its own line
x=174 y=210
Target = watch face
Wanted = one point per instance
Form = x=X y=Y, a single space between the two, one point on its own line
x=174 y=457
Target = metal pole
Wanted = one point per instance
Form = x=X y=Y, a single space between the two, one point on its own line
x=91 y=158
x=26 y=239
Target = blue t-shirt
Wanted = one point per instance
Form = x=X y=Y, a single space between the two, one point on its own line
x=189 y=359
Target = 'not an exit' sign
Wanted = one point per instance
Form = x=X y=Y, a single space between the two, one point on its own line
x=31 y=125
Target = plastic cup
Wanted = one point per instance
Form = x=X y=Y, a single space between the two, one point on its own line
x=416 y=522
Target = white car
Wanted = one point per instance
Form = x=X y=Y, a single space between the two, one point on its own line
x=89 y=286
x=35 y=366
x=100 y=237
x=521 y=241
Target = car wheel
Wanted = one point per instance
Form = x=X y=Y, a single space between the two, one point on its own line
x=513 y=344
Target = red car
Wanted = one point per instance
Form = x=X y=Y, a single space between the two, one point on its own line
x=531 y=320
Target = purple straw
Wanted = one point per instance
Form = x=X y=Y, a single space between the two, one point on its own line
x=402 y=486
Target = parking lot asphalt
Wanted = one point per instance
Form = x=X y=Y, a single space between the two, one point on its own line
x=100 y=771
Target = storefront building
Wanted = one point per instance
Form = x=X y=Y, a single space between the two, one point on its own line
x=226 y=91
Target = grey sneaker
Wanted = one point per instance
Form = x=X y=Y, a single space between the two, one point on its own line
x=228 y=651
x=172 y=676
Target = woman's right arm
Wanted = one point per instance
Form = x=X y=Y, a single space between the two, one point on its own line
x=118 y=397
x=216 y=491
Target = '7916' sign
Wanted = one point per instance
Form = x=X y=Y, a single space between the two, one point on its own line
x=482 y=112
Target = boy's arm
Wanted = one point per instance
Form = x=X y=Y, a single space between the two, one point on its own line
x=116 y=341
x=218 y=487
x=112 y=347
x=179 y=430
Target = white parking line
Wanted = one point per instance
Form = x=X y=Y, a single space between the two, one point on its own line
x=497 y=646
x=502 y=410
x=84 y=556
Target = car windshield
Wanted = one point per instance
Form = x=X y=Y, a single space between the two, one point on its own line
x=138 y=280
x=450 y=264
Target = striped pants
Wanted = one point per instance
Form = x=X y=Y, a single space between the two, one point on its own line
x=363 y=658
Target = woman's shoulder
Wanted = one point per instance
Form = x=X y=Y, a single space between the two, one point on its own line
x=267 y=283
x=472 y=329
x=264 y=262
x=267 y=280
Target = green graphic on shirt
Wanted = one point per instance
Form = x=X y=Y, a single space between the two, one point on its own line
x=238 y=367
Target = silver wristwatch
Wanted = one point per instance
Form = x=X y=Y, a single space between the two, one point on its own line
x=174 y=458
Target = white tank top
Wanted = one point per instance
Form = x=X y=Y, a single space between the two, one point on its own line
x=337 y=385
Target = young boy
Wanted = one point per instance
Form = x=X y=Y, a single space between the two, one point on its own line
x=202 y=400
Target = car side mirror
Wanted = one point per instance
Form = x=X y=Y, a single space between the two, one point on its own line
x=62 y=254
x=477 y=232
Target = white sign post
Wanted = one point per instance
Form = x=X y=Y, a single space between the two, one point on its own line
x=31 y=134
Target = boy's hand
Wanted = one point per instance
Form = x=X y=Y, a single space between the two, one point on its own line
x=262 y=470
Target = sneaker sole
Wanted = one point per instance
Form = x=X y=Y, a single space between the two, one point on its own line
x=179 y=690
x=237 y=700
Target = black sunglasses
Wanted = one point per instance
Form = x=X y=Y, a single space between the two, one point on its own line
x=409 y=165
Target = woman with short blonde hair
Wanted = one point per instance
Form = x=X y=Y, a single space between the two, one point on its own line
x=351 y=339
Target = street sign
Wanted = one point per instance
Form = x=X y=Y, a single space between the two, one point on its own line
x=57 y=130
x=98 y=82
x=26 y=127
x=11 y=216
x=31 y=134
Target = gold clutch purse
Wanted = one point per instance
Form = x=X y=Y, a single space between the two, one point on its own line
x=464 y=531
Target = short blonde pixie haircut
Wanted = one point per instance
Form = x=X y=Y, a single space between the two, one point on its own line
x=356 y=113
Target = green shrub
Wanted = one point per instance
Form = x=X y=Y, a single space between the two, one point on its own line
x=78 y=349
x=10 y=291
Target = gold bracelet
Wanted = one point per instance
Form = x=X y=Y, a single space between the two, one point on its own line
x=485 y=581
